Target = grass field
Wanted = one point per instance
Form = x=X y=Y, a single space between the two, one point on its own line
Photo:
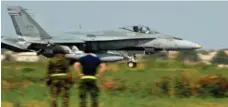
x=23 y=85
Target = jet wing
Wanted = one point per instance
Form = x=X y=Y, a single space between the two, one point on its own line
x=84 y=32
x=101 y=32
x=110 y=35
x=66 y=41
x=140 y=29
x=14 y=44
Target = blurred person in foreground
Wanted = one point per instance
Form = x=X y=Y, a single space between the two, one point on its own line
x=88 y=77
x=59 y=77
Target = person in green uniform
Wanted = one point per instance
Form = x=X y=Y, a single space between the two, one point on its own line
x=59 y=78
x=88 y=77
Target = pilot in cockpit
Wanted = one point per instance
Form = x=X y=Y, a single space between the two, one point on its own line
x=145 y=30
x=135 y=28
x=141 y=29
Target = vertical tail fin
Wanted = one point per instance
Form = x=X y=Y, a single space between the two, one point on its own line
x=25 y=25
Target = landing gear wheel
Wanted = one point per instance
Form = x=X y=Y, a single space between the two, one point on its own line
x=131 y=64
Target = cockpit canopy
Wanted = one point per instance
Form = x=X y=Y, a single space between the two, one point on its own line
x=140 y=29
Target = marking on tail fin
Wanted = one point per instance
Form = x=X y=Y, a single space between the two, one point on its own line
x=25 y=25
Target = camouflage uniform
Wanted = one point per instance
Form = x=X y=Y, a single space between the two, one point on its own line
x=88 y=86
x=59 y=84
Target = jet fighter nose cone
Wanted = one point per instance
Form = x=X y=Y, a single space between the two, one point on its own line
x=198 y=46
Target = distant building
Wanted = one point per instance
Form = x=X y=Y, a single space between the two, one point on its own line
x=207 y=57
x=222 y=66
x=3 y=57
x=226 y=51
x=172 y=54
x=25 y=57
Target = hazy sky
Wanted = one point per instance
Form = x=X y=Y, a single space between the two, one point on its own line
x=205 y=22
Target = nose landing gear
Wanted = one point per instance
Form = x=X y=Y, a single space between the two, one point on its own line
x=132 y=62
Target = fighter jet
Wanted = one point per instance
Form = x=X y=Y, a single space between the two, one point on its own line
x=32 y=37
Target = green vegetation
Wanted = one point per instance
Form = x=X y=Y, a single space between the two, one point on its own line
x=154 y=83
x=188 y=55
x=220 y=58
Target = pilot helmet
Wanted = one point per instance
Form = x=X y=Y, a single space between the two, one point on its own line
x=58 y=50
x=144 y=30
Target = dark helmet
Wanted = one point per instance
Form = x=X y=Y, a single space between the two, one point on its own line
x=58 y=50
x=87 y=50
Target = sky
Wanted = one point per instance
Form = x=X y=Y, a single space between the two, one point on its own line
x=202 y=22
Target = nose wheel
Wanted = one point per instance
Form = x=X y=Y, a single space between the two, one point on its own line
x=131 y=59
x=131 y=64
